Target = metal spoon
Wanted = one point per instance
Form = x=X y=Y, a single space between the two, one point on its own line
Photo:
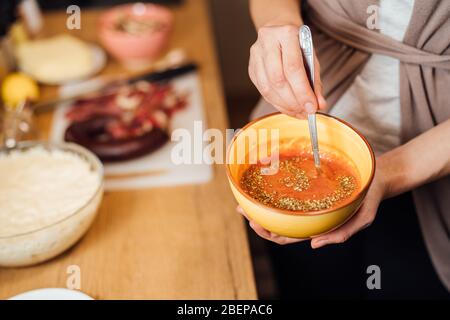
x=306 y=44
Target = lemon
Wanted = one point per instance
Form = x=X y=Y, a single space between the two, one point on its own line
x=17 y=87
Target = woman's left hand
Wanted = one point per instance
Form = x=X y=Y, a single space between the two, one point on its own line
x=362 y=219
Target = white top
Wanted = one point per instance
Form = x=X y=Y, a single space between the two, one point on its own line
x=372 y=103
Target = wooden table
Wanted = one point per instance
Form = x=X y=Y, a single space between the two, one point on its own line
x=165 y=243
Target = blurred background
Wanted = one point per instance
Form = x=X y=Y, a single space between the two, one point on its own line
x=233 y=52
x=241 y=97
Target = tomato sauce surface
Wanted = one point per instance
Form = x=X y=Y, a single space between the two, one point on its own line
x=298 y=186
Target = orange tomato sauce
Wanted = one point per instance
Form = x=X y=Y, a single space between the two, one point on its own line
x=298 y=186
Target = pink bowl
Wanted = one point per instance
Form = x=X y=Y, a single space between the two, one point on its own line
x=135 y=49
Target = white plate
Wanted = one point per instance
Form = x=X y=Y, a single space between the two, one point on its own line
x=99 y=57
x=52 y=294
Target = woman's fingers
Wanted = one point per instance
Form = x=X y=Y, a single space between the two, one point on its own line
x=273 y=66
x=276 y=68
x=361 y=220
x=263 y=233
x=259 y=78
x=267 y=72
x=295 y=72
x=241 y=211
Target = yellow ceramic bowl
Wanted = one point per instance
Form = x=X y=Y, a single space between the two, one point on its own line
x=335 y=136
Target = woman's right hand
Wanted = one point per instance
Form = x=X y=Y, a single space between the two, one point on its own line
x=276 y=68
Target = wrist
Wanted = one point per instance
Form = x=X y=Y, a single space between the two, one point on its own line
x=292 y=19
x=391 y=171
x=383 y=178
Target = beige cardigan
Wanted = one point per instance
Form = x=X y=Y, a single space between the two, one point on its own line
x=343 y=44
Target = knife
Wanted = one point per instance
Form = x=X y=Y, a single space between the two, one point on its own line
x=98 y=85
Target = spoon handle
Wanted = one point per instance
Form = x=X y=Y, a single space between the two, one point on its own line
x=306 y=44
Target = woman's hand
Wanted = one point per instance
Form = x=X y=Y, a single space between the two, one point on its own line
x=362 y=219
x=263 y=233
x=276 y=68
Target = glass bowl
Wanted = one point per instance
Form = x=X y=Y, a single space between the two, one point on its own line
x=35 y=246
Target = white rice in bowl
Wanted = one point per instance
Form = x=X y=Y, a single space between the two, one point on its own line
x=48 y=199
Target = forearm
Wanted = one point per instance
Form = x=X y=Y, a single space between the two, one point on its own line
x=269 y=12
x=423 y=159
